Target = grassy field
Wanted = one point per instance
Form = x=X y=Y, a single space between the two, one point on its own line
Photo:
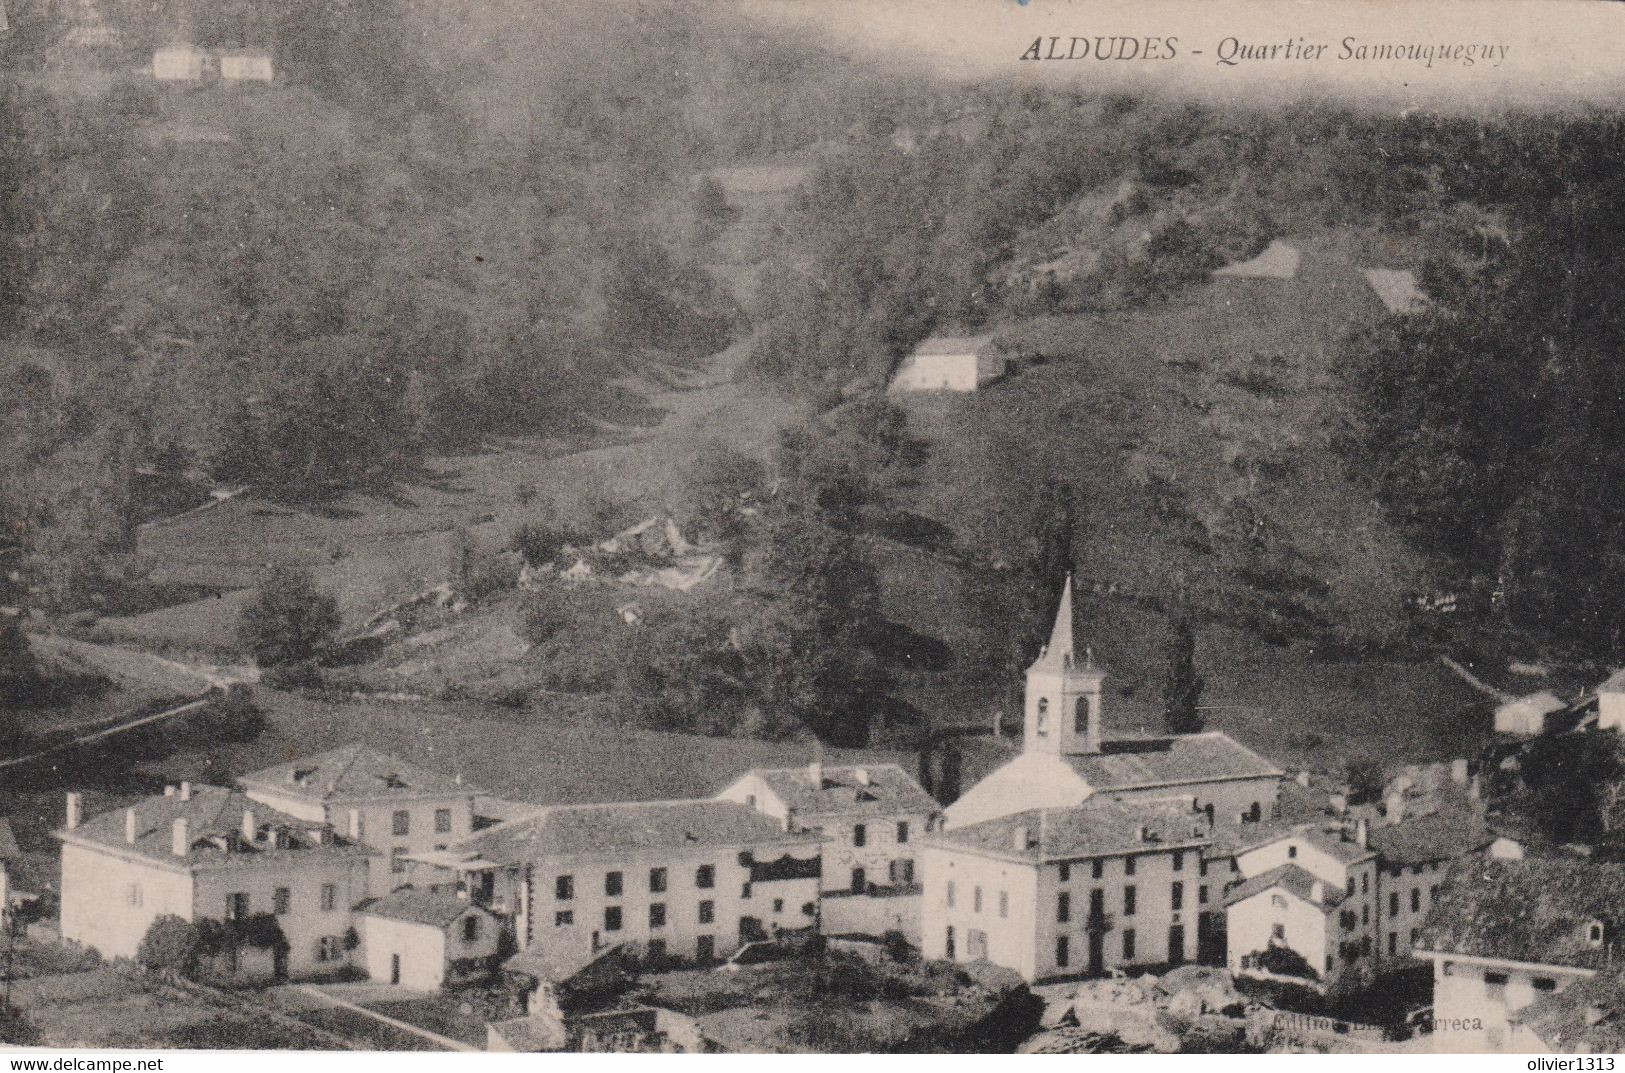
x=1198 y=437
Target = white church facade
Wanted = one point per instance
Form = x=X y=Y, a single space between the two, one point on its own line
x=1084 y=852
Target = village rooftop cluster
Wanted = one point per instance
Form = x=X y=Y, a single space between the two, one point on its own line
x=1084 y=856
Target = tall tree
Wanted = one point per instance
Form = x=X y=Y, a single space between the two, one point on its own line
x=1182 y=686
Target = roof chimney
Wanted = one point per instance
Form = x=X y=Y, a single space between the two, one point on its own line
x=186 y=791
x=1362 y=833
x=1395 y=808
x=76 y=810
x=251 y=829
x=129 y=825
x=1018 y=839
x=1339 y=803
x=789 y=821
x=169 y=791
x=1458 y=771
x=815 y=774
x=862 y=775
x=1144 y=833
x=1317 y=892
x=180 y=837
x=355 y=824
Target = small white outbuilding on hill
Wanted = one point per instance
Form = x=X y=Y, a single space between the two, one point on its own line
x=951 y=363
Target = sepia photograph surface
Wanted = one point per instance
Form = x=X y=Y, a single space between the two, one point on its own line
x=808 y=526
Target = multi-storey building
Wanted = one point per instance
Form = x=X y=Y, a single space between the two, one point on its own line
x=693 y=879
x=203 y=852
x=872 y=817
x=1506 y=934
x=1058 y=892
x=375 y=800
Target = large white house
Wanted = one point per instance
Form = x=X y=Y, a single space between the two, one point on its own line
x=1508 y=934
x=375 y=800
x=205 y=852
x=872 y=817
x=1066 y=758
x=1069 y=890
x=690 y=879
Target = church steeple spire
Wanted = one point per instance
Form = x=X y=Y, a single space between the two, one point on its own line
x=1063 y=695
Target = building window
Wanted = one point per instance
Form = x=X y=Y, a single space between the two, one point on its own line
x=1365 y=882
x=1277 y=931
x=1292 y=851
x=1495 y=985
x=1544 y=983
x=612 y=884
x=657 y=881
x=1097 y=869
x=1004 y=904
x=1201 y=894
x=329 y=948
x=1063 y=907
x=330 y=897
x=1066 y=872
x=280 y=897
x=950 y=894
x=1042 y=724
x=1416 y=899
x=1594 y=933
x=1179 y=860
x=1128 y=944
x=471 y=928
x=612 y=918
x=902 y=832
x=1365 y=946
x=705 y=948
x=1416 y=869
x=1128 y=901
x=1351 y=886
x=1178 y=895
x=1253 y=814
x=1393 y=943
x=1097 y=905
x=564 y=888
x=708 y=911
x=1365 y=914
x=778 y=905
x=237 y=906
x=1433 y=893
x=1201 y=867
x=442 y=821
x=657 y=915
x=1393 y=903
x=401 y=824
x=1080 y=716
x=976 y=900
x=860 y=835
x=901 y=872
x=1063 y=953
x=860 y=881
x=705 y=876
x=1128 y=866
x=1416 y=933
x=564 y=918
x=397 y=859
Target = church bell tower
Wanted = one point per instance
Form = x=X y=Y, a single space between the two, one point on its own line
x=1063 y=693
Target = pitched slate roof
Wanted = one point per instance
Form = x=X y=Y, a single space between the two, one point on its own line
x=889 y=790
x=8 y=842
x=953 y=344
x=1097 y=828
x=598 y=830
x=354 y=771
x=1560 y=1018
x=1333 y=842
x=211 y=813
x=1536 y=910
x=1440 y=836
x=1288 y=877
x=1128 y=763
x=433 y=908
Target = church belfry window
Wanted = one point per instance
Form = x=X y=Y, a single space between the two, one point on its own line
x=1080 y=716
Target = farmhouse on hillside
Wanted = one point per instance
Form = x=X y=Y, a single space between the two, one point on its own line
x=182 y=63
x=1529 y=716
x=951 y=363
x=240 y=65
